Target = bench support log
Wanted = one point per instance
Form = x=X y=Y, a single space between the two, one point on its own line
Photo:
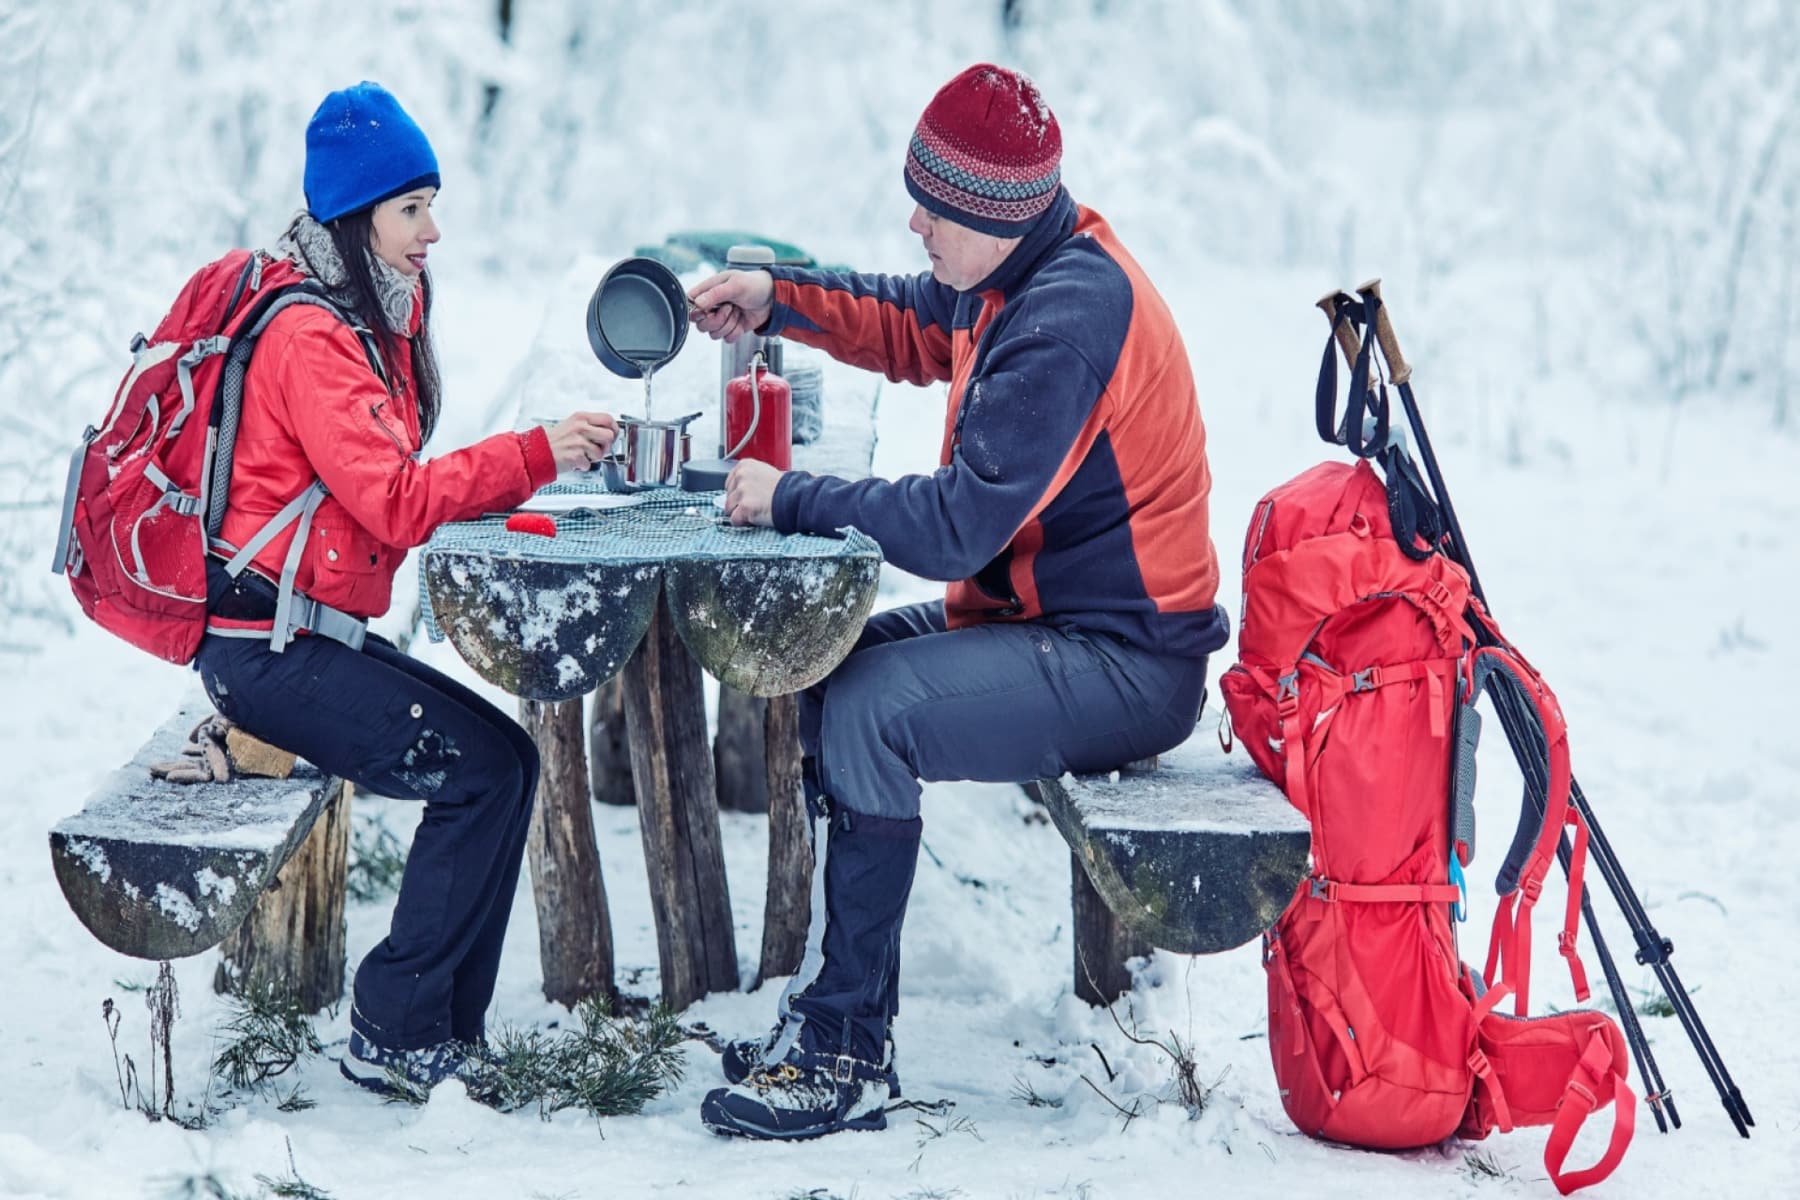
x=292 y=943
x=574 y=926
x=787 y=907
x=1102 y=945
x=678 y=814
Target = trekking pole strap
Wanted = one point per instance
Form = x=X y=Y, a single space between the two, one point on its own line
x=1363 y=401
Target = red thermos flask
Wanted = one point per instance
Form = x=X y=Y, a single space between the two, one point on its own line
x=759 y=417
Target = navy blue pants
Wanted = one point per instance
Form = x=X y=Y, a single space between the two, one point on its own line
x=394 y=726
x=999 y=703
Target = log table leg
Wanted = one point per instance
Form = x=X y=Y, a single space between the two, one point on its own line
x=1101 y=944
x=678 y=812
x=787 y=902
x=738 y=761
x=609 y=751
x=574 y=927
x=292 y=943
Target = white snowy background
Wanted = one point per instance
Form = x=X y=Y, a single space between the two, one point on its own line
x=1587 y=218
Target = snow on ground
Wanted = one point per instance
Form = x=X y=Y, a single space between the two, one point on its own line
x=1644 y=562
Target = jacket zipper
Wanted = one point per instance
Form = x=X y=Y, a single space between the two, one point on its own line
x=375 y=411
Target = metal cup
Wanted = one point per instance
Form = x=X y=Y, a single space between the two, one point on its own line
x=647 y=453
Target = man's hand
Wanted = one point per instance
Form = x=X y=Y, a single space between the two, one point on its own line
x=582 y=439
x=750 y=493
x=732 y=303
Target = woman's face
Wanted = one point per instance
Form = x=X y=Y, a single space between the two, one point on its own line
x=404 y=230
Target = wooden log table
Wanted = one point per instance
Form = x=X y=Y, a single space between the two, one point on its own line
x=659 y=590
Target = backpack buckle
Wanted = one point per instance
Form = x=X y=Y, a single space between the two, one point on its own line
x=1287 y=688
x=1365 y=680
x=1322 y=888
x=843 y=1068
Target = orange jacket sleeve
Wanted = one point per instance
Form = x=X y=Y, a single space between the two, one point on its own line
x=898 y=325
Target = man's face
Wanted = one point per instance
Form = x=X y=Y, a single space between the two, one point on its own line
x=960 y=257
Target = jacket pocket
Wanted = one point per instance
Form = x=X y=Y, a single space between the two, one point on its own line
x=350 y=569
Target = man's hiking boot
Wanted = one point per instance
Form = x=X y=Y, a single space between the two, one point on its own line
x=405 y=1073
x=805 y=1095
x=738 y=1059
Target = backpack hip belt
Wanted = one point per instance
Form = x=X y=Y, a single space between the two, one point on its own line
x=295 y=611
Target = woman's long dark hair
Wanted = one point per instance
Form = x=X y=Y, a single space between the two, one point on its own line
x=354 y=237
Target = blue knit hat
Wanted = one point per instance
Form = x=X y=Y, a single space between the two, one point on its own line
x=361 y=149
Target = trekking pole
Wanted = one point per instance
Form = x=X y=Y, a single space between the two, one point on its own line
x=1654 y=950
x=1340 y=308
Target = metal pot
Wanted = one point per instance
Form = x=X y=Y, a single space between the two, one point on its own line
x=647 y=453
x=637 y=319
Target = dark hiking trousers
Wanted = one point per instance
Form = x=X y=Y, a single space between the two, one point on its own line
x=998 y=703
x=396 y=727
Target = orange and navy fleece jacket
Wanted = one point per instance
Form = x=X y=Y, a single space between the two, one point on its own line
x=1072 y=484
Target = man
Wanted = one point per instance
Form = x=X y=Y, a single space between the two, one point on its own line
x=1068 y=514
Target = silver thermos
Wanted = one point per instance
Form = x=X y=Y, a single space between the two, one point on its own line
x=735 y=357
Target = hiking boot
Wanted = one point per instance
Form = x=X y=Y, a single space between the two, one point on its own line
x=393 y=1072
x=805 y=1095
x=738 y=1059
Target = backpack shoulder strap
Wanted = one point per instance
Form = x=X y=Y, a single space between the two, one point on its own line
x=1542 y=817
x=228 y=411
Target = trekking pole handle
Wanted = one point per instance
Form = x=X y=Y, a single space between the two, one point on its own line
x=1330 y=304
x=1398 y=369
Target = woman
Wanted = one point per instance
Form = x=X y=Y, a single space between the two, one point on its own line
x=316 y=412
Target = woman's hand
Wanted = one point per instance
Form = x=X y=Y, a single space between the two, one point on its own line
x=732 y=303
x=582 y=439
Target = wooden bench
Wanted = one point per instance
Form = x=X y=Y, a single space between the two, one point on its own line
x=1193 y=851
x=161 y=870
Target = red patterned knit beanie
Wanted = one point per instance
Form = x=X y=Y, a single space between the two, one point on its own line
x=987 y=153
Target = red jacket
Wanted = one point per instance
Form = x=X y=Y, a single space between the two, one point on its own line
x=314 y=409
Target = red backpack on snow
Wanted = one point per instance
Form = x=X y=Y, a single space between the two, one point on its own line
x=1359 y=668
x=147 y=488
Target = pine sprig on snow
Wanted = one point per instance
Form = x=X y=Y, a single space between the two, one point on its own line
x=265 y=1035
x=608 y=1067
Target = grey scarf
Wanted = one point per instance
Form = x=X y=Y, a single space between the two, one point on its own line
x=309 y=244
